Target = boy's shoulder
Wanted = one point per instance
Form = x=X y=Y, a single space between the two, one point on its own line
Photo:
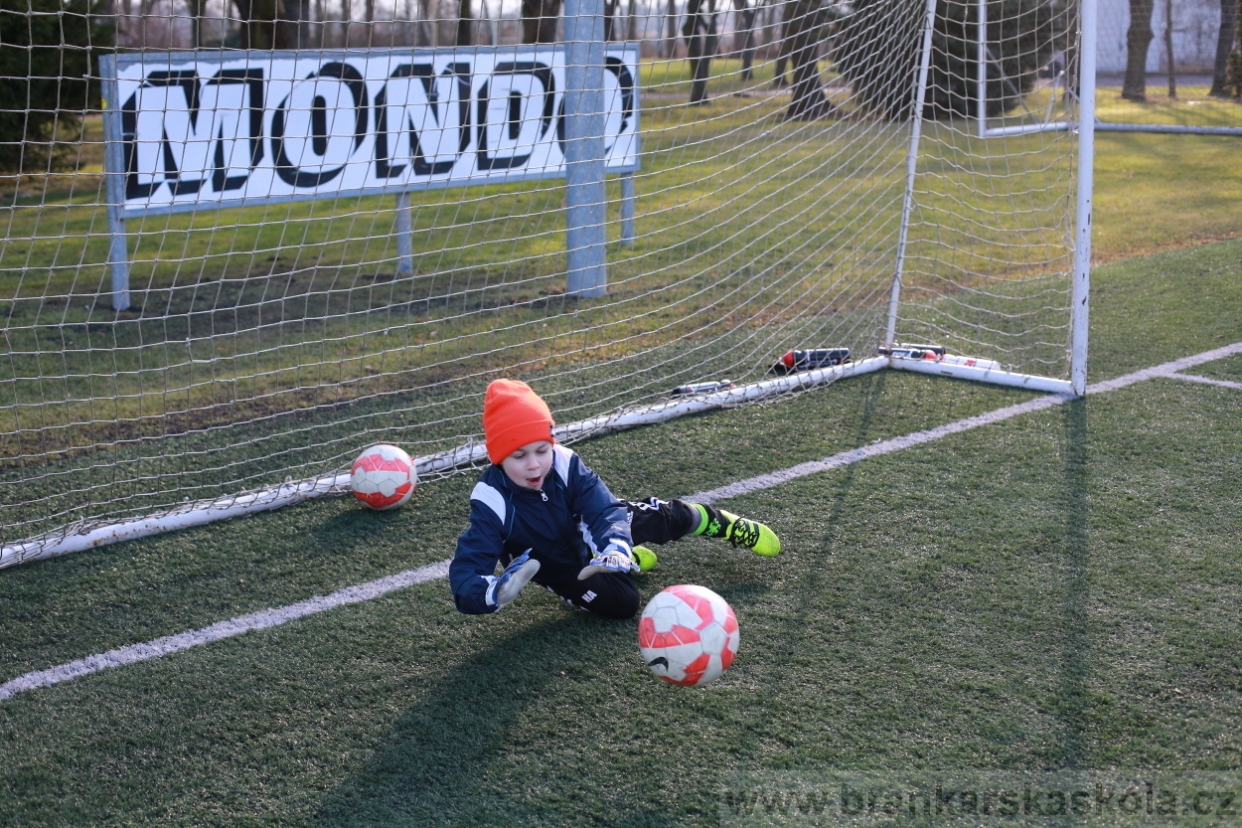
x=490 y=492
x=562 y=461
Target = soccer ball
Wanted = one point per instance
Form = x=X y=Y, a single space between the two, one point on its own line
x=383 y=477
x=688 y=635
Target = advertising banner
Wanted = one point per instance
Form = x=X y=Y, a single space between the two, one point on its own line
x=219 y=129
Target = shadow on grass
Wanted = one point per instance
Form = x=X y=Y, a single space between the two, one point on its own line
x=841 y=495
x=1072 y=704
x=449 y=760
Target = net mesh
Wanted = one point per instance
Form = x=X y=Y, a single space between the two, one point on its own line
x=274 y=339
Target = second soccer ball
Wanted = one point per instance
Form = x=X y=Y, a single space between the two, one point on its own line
x=383 y=477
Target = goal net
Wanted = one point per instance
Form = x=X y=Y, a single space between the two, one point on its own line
x=239 y=251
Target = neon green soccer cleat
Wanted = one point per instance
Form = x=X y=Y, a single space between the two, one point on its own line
x=742 y=532
x=645 y=558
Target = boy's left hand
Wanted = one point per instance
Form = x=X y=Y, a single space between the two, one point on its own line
x=612 y=559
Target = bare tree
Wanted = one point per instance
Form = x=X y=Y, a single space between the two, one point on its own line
x=746 y=26
x=670 y=40
x=1168 y=48
x=1138 y=39
x=195 y=7
x=1233 y=74
x=701 y=36
x=539 y=19
x=426 y=32
x=1224 y=45
x=804 y=30
x=465 y=24
x=487 y=25
x=782 y=50
x=258 y=23
x=610 y=16
x=271 y=24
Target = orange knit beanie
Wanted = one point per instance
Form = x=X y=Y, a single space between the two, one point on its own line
x=514 y=415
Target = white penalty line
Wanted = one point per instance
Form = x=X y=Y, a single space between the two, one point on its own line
x=374 y=589
x=845 y=458
x=1208 y=381
x=223 y=629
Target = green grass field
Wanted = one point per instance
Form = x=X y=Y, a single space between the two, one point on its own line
x=1056 y=591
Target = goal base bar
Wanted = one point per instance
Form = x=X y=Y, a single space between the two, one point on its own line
x=1168 y=129
x=77 y=539
x=82 y=537
x=1028 y=381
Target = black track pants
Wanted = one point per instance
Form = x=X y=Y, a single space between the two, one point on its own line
x=613 y=594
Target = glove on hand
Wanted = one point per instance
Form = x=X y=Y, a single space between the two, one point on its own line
x=613 y=559
x=513 y=579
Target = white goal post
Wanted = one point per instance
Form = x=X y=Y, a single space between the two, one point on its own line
x=236 y=269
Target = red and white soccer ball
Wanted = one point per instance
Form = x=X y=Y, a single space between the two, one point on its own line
x=383 y=477
x=688 y=635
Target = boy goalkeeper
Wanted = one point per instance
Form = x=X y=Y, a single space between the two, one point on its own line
x=548 y=518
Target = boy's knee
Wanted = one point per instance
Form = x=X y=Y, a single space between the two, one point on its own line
x=625 y=605
x=612 y=595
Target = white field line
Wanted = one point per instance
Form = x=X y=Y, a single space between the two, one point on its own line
x=374 y=589
x=1208 y=380
x=223 y=629
x=767 y=481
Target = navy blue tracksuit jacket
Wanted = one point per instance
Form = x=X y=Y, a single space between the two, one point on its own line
x=564 y=526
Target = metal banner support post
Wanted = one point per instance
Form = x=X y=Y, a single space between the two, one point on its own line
x=118 y=251
x=584 y=148
x=627 y=208
x=405 y=236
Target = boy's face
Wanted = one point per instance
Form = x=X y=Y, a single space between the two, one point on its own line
x=528 y=467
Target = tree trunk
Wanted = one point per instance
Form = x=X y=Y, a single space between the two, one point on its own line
x=465 y=24
x=631 y=23
x=701 y=40
x=670 y=19
x=1224 y=45
x=610 y=16
x=1170 y=64
x=1233 y=74
x=258 y=23
x=196 y=22
x=487 y=34
x=291 y=27
x=746 y=22
x=782 y=51
x=1138 y=39
x=803 y=32
x=270 y=24
x=539 y=19
x=425 y=32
